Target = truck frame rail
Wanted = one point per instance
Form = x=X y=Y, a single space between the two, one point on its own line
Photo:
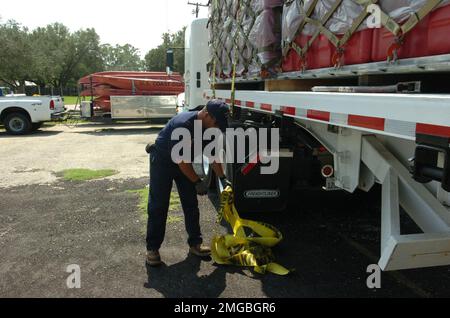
x=357 y=129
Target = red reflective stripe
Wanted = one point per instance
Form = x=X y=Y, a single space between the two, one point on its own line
x=319 y=115
x=267 y=107
x=248 y=168
x=250 y=104
x=228 y=101
x=288 y=110
x=426 y=129
x=367 y=122
x=237 y=102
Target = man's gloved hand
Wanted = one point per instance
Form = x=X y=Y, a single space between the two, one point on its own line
x=201 y=187
x=149 y=148
x=225 y=182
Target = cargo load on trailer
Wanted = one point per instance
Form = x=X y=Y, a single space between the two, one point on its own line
x=245 y=33
x=264 y=38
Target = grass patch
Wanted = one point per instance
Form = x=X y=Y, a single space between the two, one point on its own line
x=174 y=206
x=86 y=174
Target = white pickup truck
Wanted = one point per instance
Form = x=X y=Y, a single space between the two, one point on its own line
x=23 y=114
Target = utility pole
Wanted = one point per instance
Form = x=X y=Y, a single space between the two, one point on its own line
x=197 y=7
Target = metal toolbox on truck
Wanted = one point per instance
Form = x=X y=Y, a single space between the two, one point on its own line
x=132 y=107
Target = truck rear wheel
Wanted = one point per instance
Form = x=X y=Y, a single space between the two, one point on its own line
x=204 y=170
x=228 y=169
x=17 y=124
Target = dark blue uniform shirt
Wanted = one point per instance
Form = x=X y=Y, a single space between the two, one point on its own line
x=164 y=142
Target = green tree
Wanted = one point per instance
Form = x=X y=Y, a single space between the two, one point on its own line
x=121 y=58
x=51 y=47
x=61 y=57
x=86 y=57
x=15 y=54
x=155 y=59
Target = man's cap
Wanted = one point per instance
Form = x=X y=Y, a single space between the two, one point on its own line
x=220 y=111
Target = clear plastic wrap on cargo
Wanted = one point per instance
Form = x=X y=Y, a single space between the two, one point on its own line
x=246 y=33
x=266 y=33
x=294 y=13
x=266 y=4
x=343 y=18
x=246 y=50
x=401 y=10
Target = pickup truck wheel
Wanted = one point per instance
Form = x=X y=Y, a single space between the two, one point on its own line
x=17 y=124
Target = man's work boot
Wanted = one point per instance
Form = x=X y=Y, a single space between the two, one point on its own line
x=153 y=258
x=200 y=251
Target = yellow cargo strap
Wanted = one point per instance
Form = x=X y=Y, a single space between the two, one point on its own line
x=240 y=249
x=215 y=58
x=233 y=83
x=214 y=79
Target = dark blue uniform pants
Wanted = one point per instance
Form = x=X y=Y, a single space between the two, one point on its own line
x=162 y=174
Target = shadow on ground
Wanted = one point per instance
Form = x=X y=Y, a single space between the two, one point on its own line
x=329 y=239
x=120 y=131
x=183 y=280
x=35 y=134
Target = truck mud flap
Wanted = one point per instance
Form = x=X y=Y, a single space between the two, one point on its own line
x=258 y=192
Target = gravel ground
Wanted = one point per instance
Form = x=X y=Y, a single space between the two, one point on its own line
x=47 y=224
x=36 y=158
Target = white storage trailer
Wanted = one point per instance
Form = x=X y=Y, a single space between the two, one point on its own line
x=398 y=140
x=135 y=108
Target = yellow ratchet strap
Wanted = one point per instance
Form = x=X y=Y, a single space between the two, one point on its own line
x=242 y=249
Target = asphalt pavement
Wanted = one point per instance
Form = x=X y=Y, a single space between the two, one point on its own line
x=329 y=238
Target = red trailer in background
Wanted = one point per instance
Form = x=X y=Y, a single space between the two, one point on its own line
x=102 y=86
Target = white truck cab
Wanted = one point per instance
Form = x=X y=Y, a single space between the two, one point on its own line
x=196 y=74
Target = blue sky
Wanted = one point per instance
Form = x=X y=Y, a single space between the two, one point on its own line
x=137 y=22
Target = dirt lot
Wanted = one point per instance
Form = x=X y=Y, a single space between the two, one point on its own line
x=35 y=159
x=47 y=223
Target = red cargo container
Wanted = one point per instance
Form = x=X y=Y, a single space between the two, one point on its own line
x=358 y=50
x=429 y=37
x=415 y=43
x=292 y=61
x=439 y=31
x=321 y=52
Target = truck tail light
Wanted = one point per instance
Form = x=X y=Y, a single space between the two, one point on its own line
x=327 y=171
x=52 y=105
